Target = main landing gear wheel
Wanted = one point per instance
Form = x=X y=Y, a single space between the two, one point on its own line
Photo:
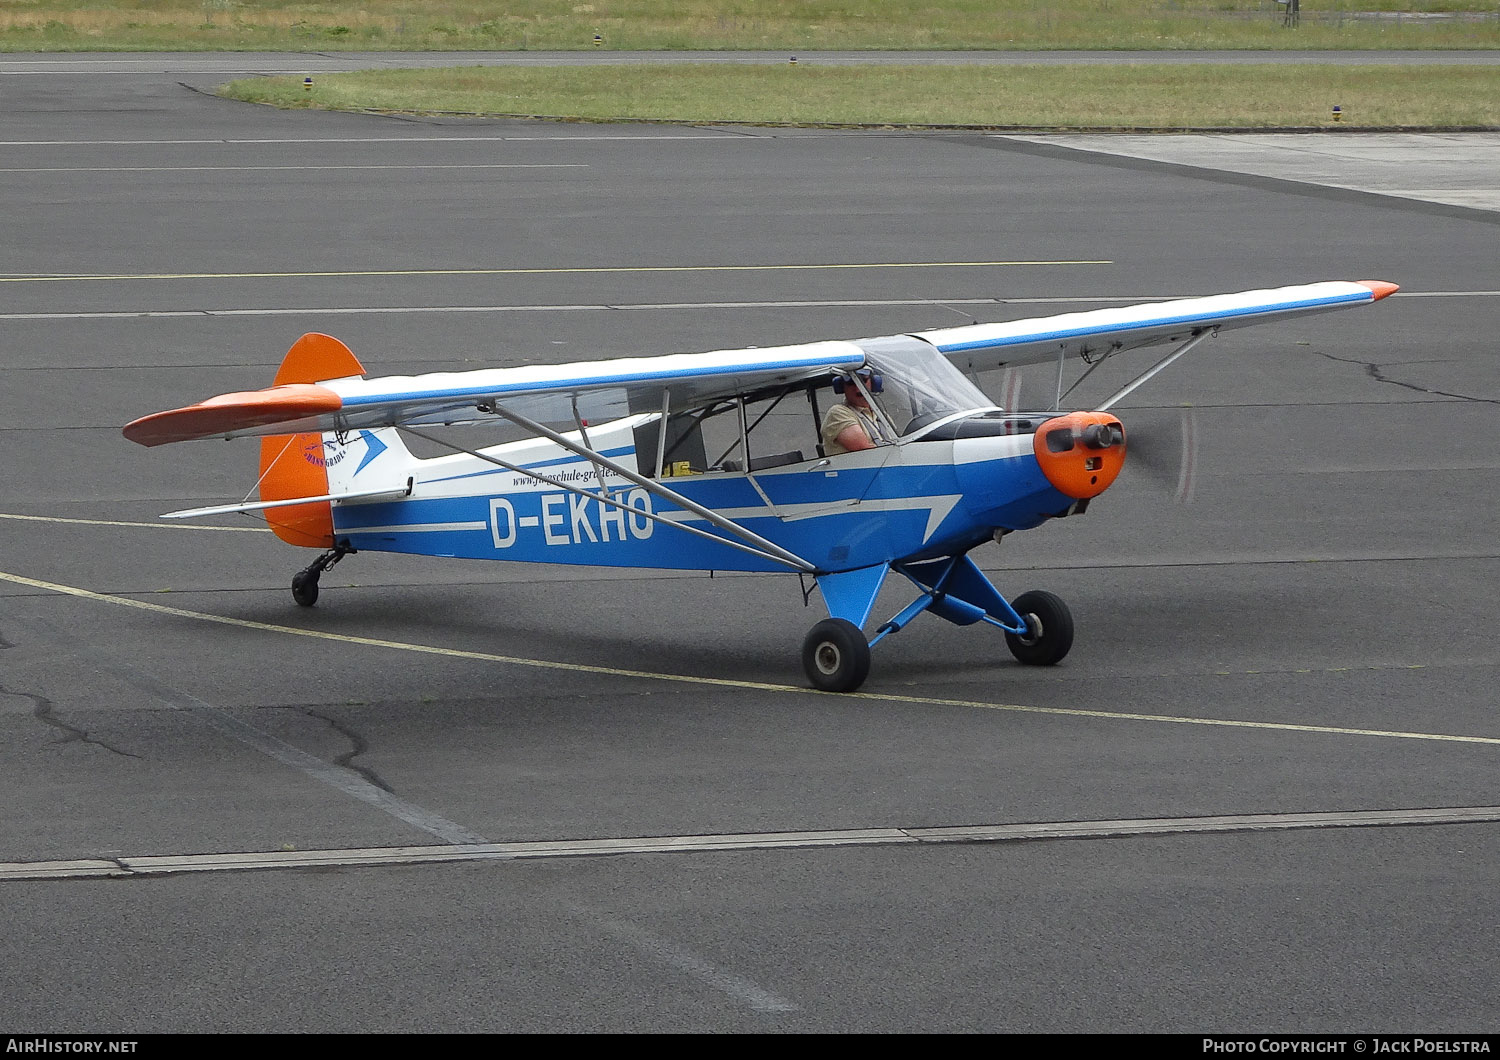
x=1049 y=627
x=836 y=656
x=305 y=588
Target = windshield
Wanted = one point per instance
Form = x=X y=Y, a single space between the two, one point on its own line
x=920 y=386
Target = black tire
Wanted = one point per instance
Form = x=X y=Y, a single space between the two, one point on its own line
x=305 y=588
x=1051 y=626
x=836 y=656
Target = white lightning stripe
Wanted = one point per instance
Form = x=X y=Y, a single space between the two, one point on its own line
x=938 y=508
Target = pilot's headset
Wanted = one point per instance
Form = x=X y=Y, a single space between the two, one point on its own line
x=874 y=382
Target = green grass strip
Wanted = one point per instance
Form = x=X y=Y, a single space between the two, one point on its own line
x=426 y=25
x=1074 y=97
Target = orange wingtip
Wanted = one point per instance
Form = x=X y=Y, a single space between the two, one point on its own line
x=1379 y=288
x=228 y=413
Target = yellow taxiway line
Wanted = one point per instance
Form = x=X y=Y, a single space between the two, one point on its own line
x=717 y=682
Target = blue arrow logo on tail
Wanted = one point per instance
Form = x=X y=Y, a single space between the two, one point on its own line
x=373 y=448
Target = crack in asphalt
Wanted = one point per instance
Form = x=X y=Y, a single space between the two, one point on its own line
x=350 y=780
x=1374 y=371
x=42 y=711
x=358 y=746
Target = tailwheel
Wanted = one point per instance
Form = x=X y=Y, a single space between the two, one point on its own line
x=836 y=656
x=305 y=581
x=1049 y=629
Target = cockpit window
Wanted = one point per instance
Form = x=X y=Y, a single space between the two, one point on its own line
x=782 y=424
x=920 y=386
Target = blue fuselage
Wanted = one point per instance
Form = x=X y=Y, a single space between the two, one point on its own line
x=903 y=502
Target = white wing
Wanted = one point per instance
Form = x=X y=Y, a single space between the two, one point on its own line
x=599 y=390
x=980 y=347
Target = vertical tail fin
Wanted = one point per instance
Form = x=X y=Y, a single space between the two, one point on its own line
x=293 y=465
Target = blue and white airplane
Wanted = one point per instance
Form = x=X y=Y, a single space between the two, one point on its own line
x=715 y=461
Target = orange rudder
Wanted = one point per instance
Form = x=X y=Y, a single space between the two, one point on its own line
x=292 y=465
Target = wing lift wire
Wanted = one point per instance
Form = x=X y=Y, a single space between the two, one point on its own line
x=749 y=542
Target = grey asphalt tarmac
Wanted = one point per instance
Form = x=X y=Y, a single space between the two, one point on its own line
x=451 y=749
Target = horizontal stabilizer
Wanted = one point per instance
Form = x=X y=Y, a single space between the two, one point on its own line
x=285 y=407
x=260 y=506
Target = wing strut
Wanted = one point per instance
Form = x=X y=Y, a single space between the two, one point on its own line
x=1086 y=373
x=1157 y=367
x=583 y=432
x=757 y=545
x=769 y=548
x=661 y=433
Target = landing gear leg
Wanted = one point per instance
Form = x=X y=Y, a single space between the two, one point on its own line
x=305 y=581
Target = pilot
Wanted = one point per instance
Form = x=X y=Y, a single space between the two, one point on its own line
x=853 y=425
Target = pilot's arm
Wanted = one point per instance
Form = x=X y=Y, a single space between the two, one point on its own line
x=854 y=438
x=844 y=432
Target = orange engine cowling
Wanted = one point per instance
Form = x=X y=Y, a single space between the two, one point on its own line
x=1081 y=453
